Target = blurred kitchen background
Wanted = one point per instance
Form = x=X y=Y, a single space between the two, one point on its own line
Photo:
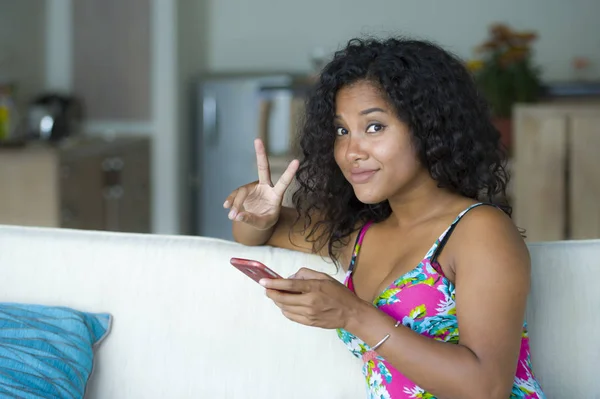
x=139 y=115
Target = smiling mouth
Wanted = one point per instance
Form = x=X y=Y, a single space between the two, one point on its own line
x=362 y=177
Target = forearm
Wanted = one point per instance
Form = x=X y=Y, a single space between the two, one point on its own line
x=444 y=369
x=248 y=235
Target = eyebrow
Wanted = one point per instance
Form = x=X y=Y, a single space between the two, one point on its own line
x=367 y=111
x=371 y=110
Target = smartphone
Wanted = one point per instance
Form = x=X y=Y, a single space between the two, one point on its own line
x=253 y=269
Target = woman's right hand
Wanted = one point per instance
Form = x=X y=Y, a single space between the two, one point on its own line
x=258 y=204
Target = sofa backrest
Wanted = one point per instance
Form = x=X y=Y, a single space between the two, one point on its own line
x=188 y=325
x=563 y=314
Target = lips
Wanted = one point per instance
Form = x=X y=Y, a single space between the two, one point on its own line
x=359 y=176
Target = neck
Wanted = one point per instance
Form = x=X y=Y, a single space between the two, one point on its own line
x=420 y=202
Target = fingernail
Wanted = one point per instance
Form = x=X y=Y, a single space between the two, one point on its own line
x=226 y=204
x=239 y=218
x=263 y=282
x=231 y=214
x=292 y=276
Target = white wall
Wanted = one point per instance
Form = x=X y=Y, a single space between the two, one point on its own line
x=275 y=34
x=22 y=45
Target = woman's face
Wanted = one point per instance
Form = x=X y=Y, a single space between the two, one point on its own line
x=373 y=148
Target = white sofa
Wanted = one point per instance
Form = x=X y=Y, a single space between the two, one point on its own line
x=188 y=325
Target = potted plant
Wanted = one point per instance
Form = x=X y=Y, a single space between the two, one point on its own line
x=506 y=75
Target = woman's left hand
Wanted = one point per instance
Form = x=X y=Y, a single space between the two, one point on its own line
x=313 y=299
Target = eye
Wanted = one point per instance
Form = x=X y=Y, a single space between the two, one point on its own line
x=340 y=131
x=375 y=127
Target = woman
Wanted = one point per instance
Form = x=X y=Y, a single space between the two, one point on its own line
x=400 y=160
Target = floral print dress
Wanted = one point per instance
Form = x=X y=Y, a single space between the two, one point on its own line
x=423 y=300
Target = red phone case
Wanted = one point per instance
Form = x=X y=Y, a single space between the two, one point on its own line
x=253 y=269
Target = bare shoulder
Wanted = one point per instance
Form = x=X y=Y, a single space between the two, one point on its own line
x=486 y=233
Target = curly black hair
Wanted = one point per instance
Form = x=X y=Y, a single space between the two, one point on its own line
x=435 y=95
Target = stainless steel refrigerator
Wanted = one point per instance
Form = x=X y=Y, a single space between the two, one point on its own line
x=230 y=112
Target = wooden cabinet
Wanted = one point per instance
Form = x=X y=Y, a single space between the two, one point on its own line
x=92 y=184
x=556 y=171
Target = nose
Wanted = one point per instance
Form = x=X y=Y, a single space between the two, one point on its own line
x=355 y=150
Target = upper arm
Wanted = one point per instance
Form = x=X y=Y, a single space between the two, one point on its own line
x=492 y=267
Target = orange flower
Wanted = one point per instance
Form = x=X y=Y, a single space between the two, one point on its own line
x=502 y=38
x=487 y=46
x=525 y=36
x=500 y=31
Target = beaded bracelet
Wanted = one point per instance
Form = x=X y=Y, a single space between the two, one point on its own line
x=378 y=344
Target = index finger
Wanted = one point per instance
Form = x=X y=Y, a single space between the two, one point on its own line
x=262 y=162
x=284 y=284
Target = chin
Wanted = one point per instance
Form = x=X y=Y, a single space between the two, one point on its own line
x=369 y=196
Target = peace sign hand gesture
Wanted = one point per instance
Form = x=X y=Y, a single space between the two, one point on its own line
x=258 y=204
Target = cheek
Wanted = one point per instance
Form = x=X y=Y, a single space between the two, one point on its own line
x=403 y=161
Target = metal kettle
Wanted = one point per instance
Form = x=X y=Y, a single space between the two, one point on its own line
x=54 y=117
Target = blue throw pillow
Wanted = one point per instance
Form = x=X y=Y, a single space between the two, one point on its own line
x=47 y=352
